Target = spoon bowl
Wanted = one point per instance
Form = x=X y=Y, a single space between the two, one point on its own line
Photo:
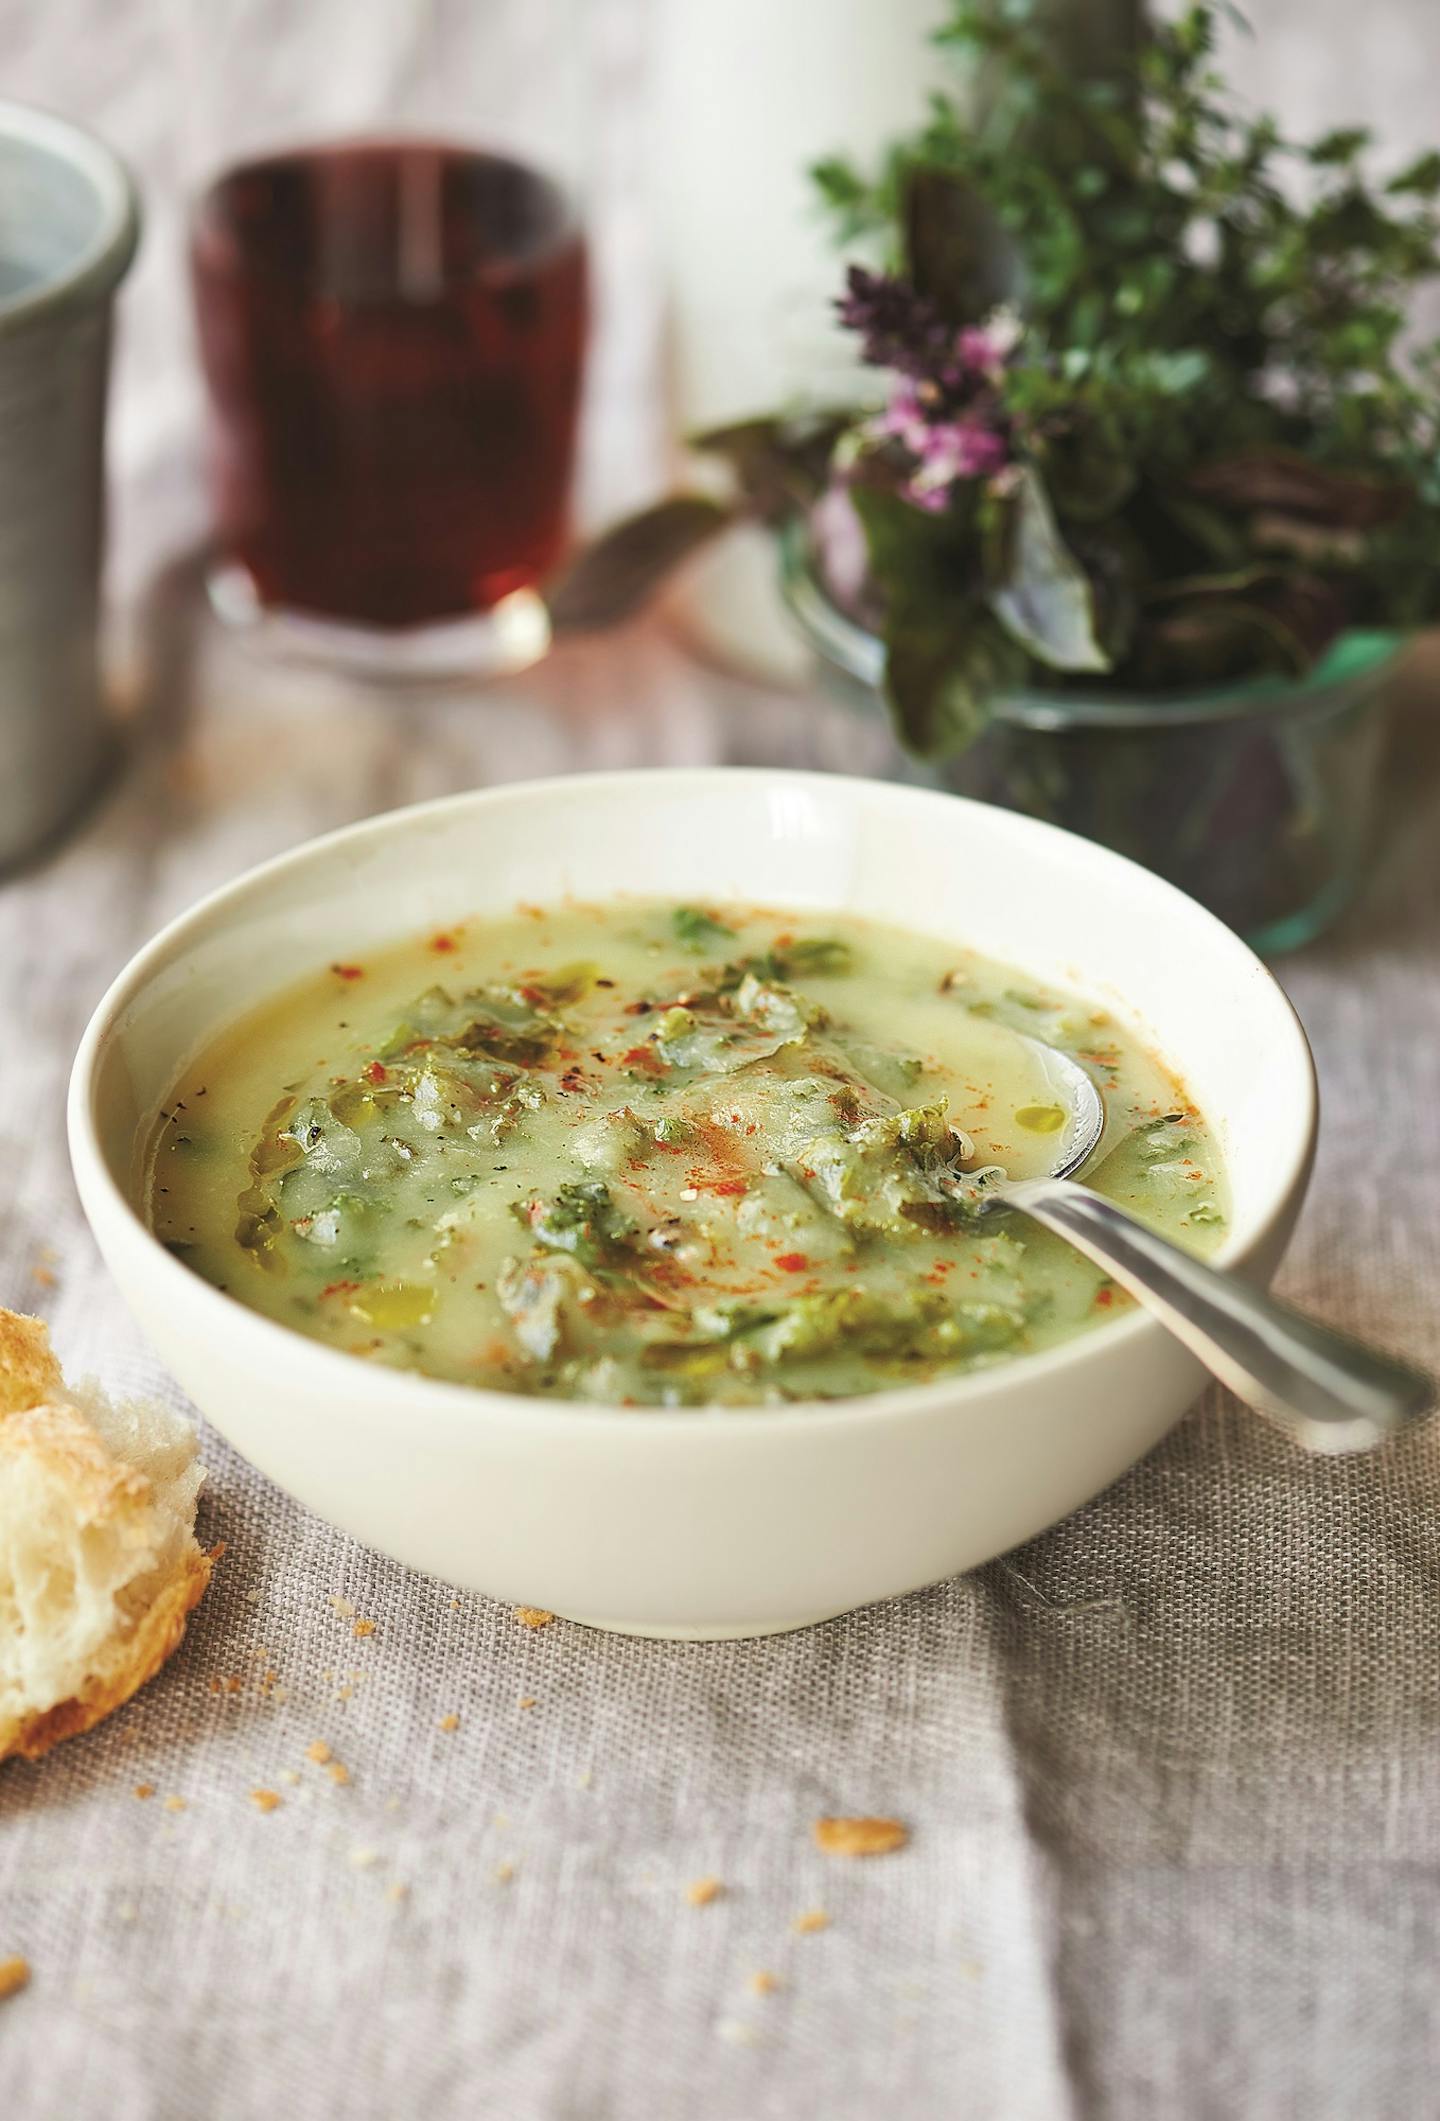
x=1323 y=1390
x=1078 y=1094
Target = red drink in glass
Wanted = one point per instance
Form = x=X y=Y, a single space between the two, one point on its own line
x=392 y=334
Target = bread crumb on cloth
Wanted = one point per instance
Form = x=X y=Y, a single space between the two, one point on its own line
x=318 y=1751
x=859 y=1837
x=533 y=1616
x=362 y=1628
x=14 y=1974
x=814 y=1918
x=701 y=1891
x=762 y=1982
x=448 y=1723
x=266 y=1800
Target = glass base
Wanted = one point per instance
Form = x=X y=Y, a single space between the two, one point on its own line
x=510 y=636
x=1307 y=923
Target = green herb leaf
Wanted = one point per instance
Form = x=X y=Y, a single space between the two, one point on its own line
x=1207 y=637
x=581 y=1220
x=544 y=1299
x=939 y=682
x=780 y=465
x=617 y=574
x=1341 y=146
x=698 y=931
x=883 y=1176
x=946 y=657
x=1420 y=177
x=857 y=205
x=954 y=247
x=1263 y=619
x=1042 y=596
x=819 y=956
x=1283 y=482
x=907 y=1327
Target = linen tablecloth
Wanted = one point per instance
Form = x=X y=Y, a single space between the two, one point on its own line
x=1170 y=1771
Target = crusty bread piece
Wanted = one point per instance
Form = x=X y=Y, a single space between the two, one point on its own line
x=98 y=1561
x=29 y=1372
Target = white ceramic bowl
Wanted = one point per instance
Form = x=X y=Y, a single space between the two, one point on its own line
x=692 y=1523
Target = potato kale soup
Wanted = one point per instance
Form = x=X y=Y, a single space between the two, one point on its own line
x=663 y=1155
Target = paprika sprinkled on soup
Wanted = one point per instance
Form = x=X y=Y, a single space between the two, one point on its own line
x=672 y=1156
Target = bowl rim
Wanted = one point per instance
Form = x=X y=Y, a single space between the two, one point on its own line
x=358 y=1387
x=98 y=266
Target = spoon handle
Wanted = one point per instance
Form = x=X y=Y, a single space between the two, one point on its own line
x=1324 y=1391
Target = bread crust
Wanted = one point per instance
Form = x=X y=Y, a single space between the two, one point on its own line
x=137 y=1657
x=29 y=1373
x=101 y=1489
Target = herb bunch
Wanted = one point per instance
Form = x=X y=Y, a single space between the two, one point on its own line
x=1147 y=417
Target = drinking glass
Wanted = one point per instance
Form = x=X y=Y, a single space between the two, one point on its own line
x=389 y=275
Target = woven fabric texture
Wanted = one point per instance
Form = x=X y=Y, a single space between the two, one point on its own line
x=1170 y=1771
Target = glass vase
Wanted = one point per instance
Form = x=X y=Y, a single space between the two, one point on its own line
x=1258 y=800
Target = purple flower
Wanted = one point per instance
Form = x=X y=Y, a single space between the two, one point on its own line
x=966 y=450
x=838 y=538
x=900 y=327
x=903 y=419
x=947 y=444
x=985 y=348
x=954 y=450
x=945 y=410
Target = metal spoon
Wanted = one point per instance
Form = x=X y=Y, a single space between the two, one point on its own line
x=1323 y=1390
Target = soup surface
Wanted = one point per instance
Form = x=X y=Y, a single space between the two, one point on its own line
x=663 y=1155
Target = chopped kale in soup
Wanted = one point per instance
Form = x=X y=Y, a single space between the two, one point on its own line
x=669 y=1156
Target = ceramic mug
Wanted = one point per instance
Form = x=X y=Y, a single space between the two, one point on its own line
x=69 y=223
